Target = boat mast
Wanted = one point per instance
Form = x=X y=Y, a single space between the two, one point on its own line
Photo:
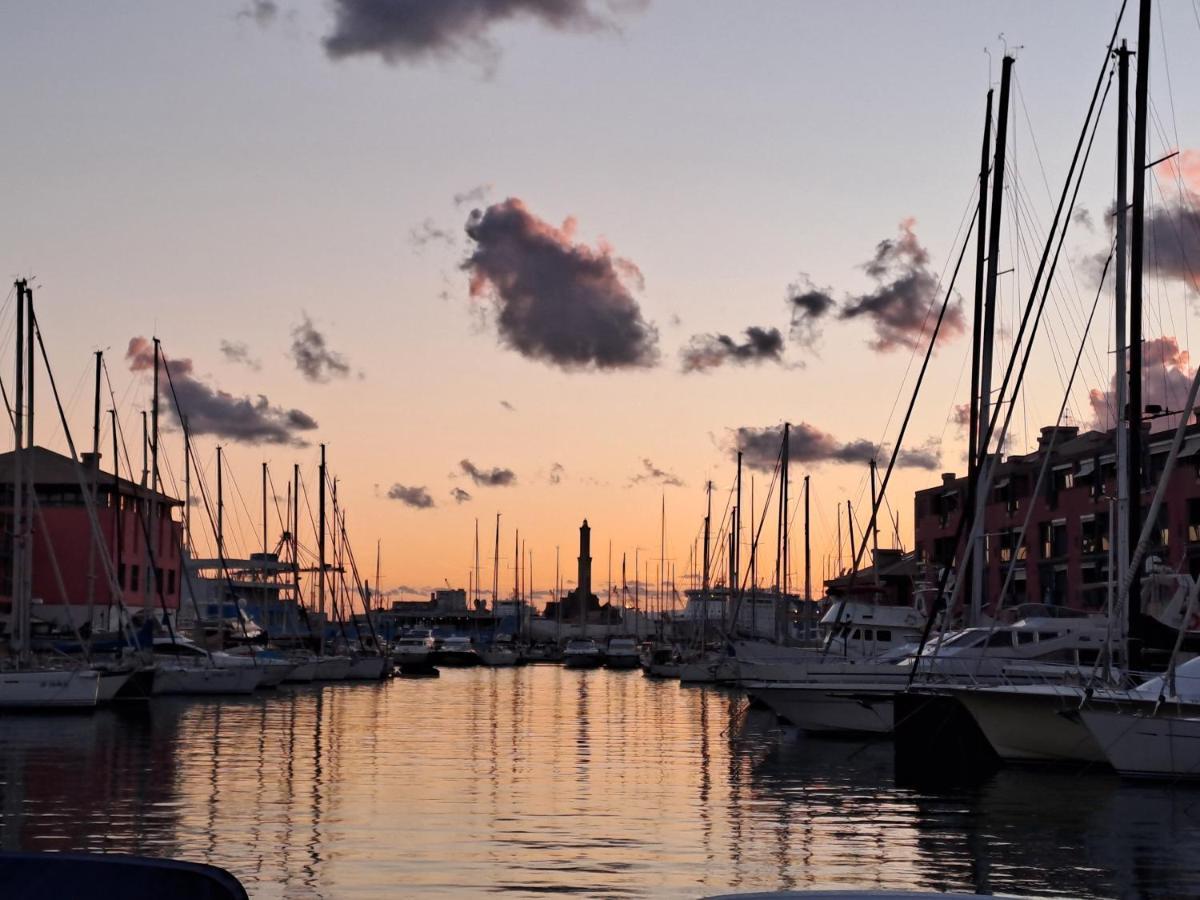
x=496 y=567
x=94 y=475
x=979 y=586
x=1136 y=253
x=807 y=553
x=20 y=606
x=321 y=554
x=976 y=429
x=850 y=530
x=1121 y=552
x=707 y=539
x=264 y=511
x=220 y=506
x=152 y=570
x=875 y=519
x=118 y=519
x=784 y=498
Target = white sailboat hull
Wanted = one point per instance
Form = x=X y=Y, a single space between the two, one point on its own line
x=110 y=683
x=332 y=668
x=830 y=708
x=205 y=680
x=367 y=668
x=1032 y=723
x=301 y=673
x=1147 y=746
x=49 y=689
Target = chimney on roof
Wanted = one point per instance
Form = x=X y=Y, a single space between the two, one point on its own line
x=90 y=460
x=947 y=479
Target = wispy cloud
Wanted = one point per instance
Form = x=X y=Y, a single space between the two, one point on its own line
x=416 y=497
x=237 y=352
x=710 y=351
x=459 y=495
x=312 y=355
x=652 y=473
x=210 y=410
x=494 y=477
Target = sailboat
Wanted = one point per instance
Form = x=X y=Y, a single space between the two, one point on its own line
x=497 y=653
x=24 y=684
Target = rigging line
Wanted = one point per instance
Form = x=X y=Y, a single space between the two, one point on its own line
x=970 y=204
x=1037 y=488
x=1072 y=177
x=1045 y=181
x=873 y=524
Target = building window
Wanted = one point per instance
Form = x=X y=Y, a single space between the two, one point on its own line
x=1193 y=531
x=1053 y=539
x=943 y=551
x=1160 y=536
x=121 y=576
x=170 y=581
x=1053 y=582
x=134 y=574
x=1094 y=533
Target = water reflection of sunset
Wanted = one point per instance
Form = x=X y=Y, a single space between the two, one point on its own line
x=538 y=779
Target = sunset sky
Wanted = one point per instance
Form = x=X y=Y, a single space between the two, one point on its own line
x=508 y=264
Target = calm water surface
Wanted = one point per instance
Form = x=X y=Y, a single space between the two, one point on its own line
x=538 y=780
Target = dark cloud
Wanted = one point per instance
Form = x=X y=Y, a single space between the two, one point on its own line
x=556 y=473
x=1173 y=242
x=808 y=306
x=508 y=406
x=494 y=477
x=414 y=30
x=238 y=352
x=924 y=456
x=215 y=412
x=312 y=356
x=1166 y=379
x=710 y=351
x=651 y=472
x=459 y=495
x=907 y=288
x=416 y=497
x=557 y=301
x=428 y=233
x=806 y=444
x=260 y=12
x=471 y=196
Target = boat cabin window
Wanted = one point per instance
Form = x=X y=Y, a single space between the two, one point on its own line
x=1026 y=637
x=1000 y=639
x=883 y=634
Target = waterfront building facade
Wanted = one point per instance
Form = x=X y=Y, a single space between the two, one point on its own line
x=1064 y=557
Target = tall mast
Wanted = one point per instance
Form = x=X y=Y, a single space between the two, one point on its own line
x=978 y=587
x=875 y=519
x=296 y=531
x=517 y=565
x=264 y=509
x=20 y=606
x=976 y=428
x=152 y=544
x=707 y=540
x=475 y=595
x=118 y=519
x=1136 y=252
x=850 y=529
x=496 y=567
x=187 y=482
x=1121 y=300
x=145 y=450
x=807 y=546
x=94 y=476
x=782 y=601
x=321 y=552
x=737 y=530
x=221 y=505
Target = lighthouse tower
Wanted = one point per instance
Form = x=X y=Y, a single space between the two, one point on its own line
x=584 y=581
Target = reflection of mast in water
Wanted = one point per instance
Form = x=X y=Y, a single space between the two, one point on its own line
x=705 y=775
x=317 y=813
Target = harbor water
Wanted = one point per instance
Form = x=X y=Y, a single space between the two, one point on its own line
x=539 y=780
